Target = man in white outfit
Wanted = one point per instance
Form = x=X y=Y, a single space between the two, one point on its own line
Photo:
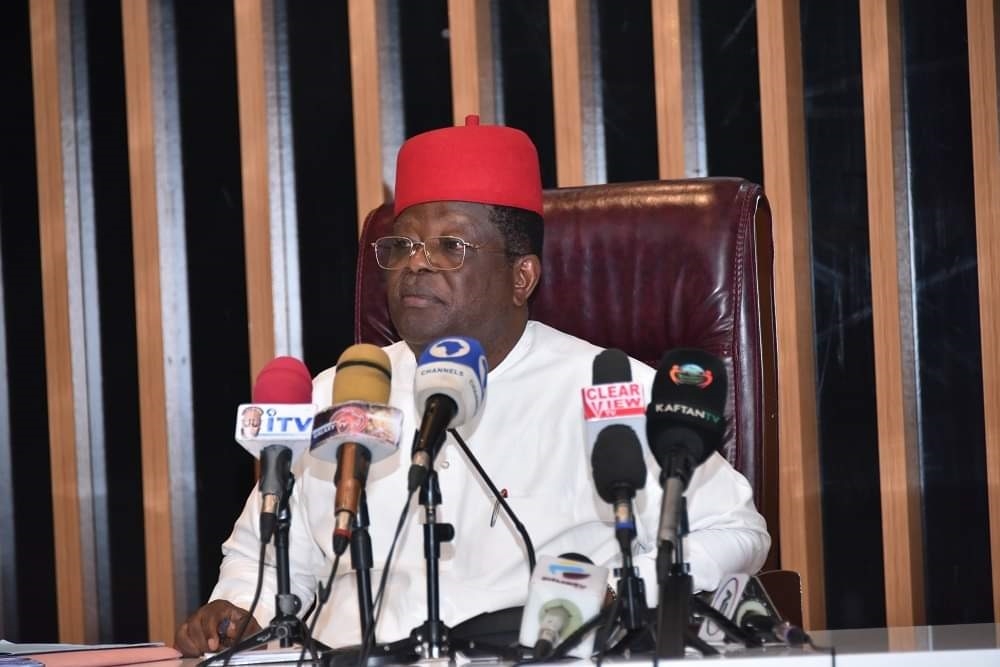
x=463 y=261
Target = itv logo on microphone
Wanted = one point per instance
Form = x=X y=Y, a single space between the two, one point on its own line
x=263 y=421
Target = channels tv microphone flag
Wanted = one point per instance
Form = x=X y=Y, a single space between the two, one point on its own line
x=276 y=429
x=449 y=389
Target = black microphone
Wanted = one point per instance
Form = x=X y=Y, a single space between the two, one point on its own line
x=619 y=471
x=742 y=610
x=772 y=628
x=684 y=425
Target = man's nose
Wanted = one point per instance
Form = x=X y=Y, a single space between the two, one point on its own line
x=418 y=258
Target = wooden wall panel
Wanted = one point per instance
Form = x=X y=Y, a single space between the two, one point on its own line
x=892 y=294
x=378 y=131
x=255 y=171
x=679 y=117
x=149 y=332
x=576 y=104
x=984 y=26
x=365 y=19
x=67 y=520
x=473 y=89
x=783 y=134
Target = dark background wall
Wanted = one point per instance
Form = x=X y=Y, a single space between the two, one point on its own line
x=945 y=313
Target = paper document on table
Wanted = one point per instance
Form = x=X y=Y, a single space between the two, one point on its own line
x=268 y=656
x=86 y=655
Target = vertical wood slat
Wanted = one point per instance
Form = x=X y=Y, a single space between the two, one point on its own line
x=885 y=148
x=579 y=144
x=363 y=24
x=160 y=571
x=56 y=308
x=254 y=169
x=471 y=49
x=983 y=29
x=675 y=91
x=783 y=134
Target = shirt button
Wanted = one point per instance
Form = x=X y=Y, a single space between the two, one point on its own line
x=445 y=464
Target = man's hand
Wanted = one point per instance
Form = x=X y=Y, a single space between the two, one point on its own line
x=211 y=628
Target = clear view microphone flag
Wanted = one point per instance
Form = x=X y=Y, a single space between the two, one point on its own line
x=613 y=398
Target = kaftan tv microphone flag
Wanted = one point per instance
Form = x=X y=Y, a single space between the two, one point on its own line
x=685 y=420
x=276 y=428
x=685 y=423
x=449 y=387
x=613 y=398
x=357 y=430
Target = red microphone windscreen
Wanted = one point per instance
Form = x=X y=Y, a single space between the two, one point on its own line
x=283 y=380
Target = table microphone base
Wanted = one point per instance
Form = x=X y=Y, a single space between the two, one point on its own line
x=401 y=652
x=286 y=630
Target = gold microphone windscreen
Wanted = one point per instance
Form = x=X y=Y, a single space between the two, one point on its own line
x=363 y=374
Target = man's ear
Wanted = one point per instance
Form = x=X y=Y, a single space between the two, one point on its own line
x=527 y=270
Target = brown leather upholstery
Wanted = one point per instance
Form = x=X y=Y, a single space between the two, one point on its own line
x=647 y=267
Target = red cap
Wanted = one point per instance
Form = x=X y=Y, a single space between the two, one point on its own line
x=283 y=380
x=486 y=164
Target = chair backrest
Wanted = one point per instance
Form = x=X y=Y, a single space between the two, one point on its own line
x=648 y=267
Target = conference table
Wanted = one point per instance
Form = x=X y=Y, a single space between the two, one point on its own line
x=974 y=645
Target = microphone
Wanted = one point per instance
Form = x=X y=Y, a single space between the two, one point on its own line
x=613 y=398
x=614 y=413
x=771 y=628
x=276 y=428
x=450 y=386
x=563 y=593
x=684 y=424
x=619 y=471
x=357 y=429
x=742 y=599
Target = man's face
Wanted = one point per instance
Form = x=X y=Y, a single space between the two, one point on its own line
x=476 y=300
x=251 y=422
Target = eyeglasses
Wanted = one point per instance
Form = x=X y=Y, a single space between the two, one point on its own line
x=445 y=253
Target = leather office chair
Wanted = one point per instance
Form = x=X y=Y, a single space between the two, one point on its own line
x=647 y=267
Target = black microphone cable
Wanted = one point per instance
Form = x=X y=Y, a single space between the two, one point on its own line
x=322 y=597
x=368 y=641
x=522 y=531
x=241 y=630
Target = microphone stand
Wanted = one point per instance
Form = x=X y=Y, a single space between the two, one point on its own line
x=676 y=587
x=630 y=603
x=433 y=634
x=429 y=640
x=361 y=561
x=286 y=626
